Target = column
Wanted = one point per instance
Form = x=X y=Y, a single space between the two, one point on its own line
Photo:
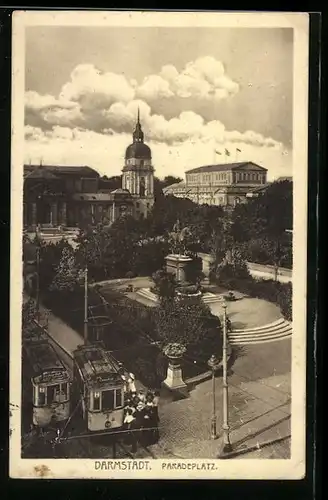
x=64 y=214
x=152 y=184
x=34 y=214
x=54 y=214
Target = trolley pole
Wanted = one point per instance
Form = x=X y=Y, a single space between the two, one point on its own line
x=225 y=427
x=85 y=331
x=37 y=305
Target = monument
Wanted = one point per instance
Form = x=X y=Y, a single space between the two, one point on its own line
x=177 y=260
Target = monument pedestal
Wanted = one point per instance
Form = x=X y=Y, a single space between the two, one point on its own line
x=176 y=264
x=174 y=375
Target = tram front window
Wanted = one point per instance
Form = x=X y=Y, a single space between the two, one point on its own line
x=52 y=393
x=108 y=400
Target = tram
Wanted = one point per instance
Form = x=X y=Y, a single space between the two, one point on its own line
x=99 y=383
x=48 y=382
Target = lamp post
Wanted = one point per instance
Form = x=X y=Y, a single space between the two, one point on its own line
x=213 y=363
x=85 y=331
x=225 y=426
x=37 y=305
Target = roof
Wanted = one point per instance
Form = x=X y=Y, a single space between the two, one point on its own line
x=44 y=361
x=82 y=171
x=138 y=150
x=262 y=187
x=223 y=167
x=109 y=196
x=287 y=178
x=97 y=367
x=92 y=196
x=176 y=185
x=121 y=191
x=39 y=173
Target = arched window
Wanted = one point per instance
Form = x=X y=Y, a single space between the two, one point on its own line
x=142 y=187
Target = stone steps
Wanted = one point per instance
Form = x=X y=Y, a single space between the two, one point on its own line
x=278 y=330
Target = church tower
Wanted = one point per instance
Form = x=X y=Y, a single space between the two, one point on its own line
x=138 y=173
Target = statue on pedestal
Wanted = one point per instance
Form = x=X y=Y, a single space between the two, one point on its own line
x=178 y=237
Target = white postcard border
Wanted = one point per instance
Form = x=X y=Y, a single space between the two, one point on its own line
x=293 y=468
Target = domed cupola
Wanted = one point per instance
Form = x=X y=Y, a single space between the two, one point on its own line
x=138 y=149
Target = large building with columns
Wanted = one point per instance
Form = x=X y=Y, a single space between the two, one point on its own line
x=225 y=184
x=71 y=196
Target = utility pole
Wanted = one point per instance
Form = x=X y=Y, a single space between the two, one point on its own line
x=37 y=306
x=85 y=331
x=225 y=426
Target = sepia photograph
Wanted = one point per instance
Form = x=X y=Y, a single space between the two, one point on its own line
x=159 y=190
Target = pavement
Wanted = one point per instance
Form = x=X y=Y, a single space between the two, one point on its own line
x=259 y=409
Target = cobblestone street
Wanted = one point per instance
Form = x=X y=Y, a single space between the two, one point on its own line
x=259 y=407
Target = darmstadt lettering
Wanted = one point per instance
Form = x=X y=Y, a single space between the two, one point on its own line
x=122 y=465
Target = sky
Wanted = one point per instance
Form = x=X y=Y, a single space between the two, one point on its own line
x=200 y=91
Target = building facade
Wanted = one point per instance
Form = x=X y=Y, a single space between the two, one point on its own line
x=226 y=184
x=71 y=196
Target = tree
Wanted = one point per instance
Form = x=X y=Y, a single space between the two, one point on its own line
x=68 y=275
x=191 y=325
x=165 y=285
x=233 y=269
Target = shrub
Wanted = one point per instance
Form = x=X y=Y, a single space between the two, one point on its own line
x=130 y=274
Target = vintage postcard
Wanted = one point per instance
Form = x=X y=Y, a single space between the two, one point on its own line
x=158 y=245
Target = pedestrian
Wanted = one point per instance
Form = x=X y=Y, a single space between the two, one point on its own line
x=139 y=415
x=142 y=396
x=131 y=384
x=128 y=426
x=146 y=436
x=156 y=400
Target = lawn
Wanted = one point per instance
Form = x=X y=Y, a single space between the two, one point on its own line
x=248 y=312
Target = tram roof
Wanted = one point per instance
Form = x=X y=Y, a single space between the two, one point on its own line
x=45 y=363
x=97 y=366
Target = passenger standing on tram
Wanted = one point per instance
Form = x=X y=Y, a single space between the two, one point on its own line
x=131 y=384
x=141 y=396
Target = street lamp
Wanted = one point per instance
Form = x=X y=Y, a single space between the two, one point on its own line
x=213 y=363
x=225 y=426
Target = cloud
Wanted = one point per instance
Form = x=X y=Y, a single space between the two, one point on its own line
x=90 y=86
x=204 y=78
x=91 y=120
x=46 y=111
x=105 y=152
x=154 y=87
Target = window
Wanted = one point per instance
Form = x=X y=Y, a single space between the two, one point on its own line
x=41 y=396
x=142 y=187
x=108 y=400
x=96 y=400
x=142 y=163
x=118 y=398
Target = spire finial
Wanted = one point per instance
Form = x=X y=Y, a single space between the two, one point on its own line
x=138 y=119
